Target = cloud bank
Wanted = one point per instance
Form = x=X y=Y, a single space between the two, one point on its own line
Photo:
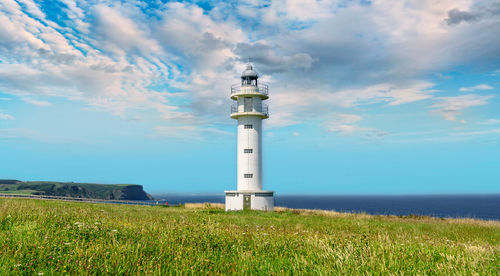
x=174 y=61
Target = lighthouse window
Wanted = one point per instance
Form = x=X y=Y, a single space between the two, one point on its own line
x=248 y=175
x=248 y=150
x=248 y=126
x=247 y=102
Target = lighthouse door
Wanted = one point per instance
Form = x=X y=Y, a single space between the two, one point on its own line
x=246 y=202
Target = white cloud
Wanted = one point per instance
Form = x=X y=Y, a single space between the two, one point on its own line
x=444 y=136
x=14 y=133
x=296 y=134
x=349 y=118
x=4 y=116
x=478 y=132
x=30 y=134
x=490 y=122
x=344 y=125
x=319 y=57
x=386 y=92
x=187 y=132
x=51 y=61
x=121 y=34
x=36 y=102
x=272 y=62
x=477 y=87
x=281 y=118
x=294 y=105
x=450 y=107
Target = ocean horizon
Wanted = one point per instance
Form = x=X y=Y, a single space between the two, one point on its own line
x=478 y=206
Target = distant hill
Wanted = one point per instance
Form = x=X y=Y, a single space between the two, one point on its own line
x=71 y=189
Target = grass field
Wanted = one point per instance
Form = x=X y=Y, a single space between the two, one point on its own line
x=53 y=237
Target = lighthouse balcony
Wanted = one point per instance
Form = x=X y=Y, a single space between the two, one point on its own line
x=238 y=90
x=238 y=111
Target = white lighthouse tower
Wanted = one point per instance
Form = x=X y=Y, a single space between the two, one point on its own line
x=249 y=110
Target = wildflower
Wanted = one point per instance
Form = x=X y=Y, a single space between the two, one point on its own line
x=40 y=273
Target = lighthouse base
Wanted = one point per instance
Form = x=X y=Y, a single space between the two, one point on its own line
x=249 y=200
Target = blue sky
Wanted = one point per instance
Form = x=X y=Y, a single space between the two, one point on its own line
x=366 y=97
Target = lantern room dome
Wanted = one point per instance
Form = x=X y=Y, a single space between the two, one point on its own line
x=249 y=72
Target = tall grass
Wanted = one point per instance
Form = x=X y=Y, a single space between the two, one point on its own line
x=52 y=237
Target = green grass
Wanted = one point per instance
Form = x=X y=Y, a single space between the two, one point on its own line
x=53 y=237
x=19 y=192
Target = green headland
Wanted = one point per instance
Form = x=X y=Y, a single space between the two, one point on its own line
x=55 y=237
x=72 y=189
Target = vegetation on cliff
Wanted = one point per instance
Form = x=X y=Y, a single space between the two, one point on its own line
x=54 y=237
x=71 y=189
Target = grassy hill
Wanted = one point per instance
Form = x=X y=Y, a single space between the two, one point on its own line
x=56 y=237
x=71 y=189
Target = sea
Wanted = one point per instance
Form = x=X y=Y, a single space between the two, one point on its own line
x=485 y=207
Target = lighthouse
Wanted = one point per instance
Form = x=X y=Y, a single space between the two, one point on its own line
x=249 y=110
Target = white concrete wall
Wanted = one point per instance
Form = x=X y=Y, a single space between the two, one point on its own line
x=249 y=163
x=234 y=203
x=258 y=202
x=264 y=203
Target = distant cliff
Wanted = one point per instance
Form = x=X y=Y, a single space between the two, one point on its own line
x=71 y=189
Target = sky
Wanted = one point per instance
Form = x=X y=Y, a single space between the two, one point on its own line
x=366 y=97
